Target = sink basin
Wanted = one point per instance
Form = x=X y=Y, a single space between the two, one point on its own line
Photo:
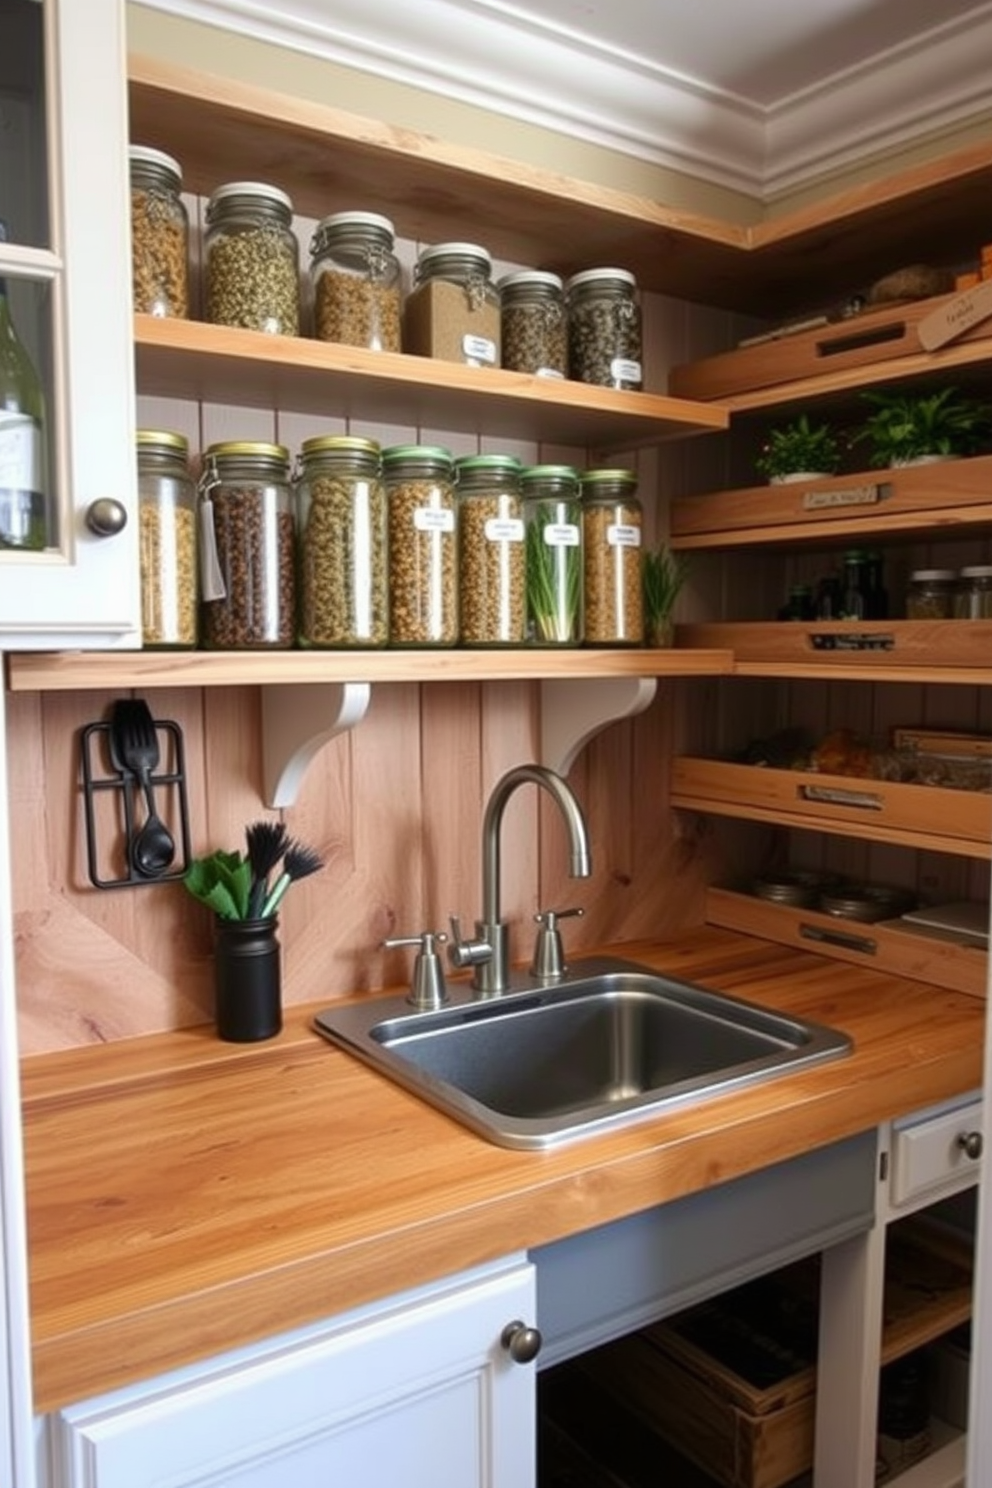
x=610 y=1044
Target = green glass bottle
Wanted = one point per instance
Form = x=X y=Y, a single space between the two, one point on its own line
x=22 y=438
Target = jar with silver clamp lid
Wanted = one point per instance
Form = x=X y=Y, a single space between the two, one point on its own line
x=532 y=323
x=248 y=547
x=355 y=276
x=612 y=532
x=159 y=234
x=553 y=523
x=452 y=312
x=167 y=541
x=604 y=329
x=252 y=259
x=341 y=533
x=491 y=554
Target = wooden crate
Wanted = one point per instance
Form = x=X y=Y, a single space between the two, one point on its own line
x=868 y=645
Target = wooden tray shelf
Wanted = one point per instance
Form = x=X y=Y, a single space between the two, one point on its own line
x=880 y=650
x=928 y=817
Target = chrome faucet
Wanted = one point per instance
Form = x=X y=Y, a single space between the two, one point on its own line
x=489 y=952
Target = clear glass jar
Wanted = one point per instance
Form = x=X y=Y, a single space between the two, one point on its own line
x=341 y=537
x=492 y=558
x=452 y=311
x=252 y=259
x=159 y=234
x=533 y=329
x=248 y=550
x=930 y=595
x=356 y=281
x=604 y=328
x=973 y=593
x=612 y=535
x=423 y=545
x=167 y=543
x=553 y=523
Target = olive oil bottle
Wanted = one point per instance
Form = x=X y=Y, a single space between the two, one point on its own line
x=22 y=438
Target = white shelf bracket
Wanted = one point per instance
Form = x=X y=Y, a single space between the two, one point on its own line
x=298 y=719
x=574 y=709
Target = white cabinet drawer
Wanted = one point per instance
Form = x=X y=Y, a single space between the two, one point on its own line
x=936 y=1149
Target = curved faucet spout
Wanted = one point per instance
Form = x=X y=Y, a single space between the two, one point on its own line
x=580 y=862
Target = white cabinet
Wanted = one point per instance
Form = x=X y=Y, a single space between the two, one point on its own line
x=419 y=1392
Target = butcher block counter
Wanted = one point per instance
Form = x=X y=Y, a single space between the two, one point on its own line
x=187 y=1196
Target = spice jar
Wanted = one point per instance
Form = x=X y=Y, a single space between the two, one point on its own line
x=973 y=593
x=492 y=558
x=612 y=530
x=553 y=526
x=423 y=545
x=248 y=549
x=604 y=328
x=931 y=594
x=166 y=540
x=159 y=234
x=533 y=328
x=356 y=281
x=452 y=311
x=252 y=259
x=341 y=537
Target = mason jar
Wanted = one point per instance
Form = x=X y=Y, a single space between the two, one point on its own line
x=930 y=595
x=553 y=541
x=159 y=234
x=341 y=537
x=355 y=276
x=604 y=329
x=252 y=259
x=492 y=557
x=452 y=311
x=612 y=534
x=248 y=548
x=973 y=593
x=533 y=329
x=423 y=545
x=167 y=543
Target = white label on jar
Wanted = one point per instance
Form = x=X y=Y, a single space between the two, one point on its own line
x=622 y=370
x=434 y=519
x=479 y=351
x=620 y=535
x=550 y=372
x=561 y=535
x=20 y=453
x=504 y=529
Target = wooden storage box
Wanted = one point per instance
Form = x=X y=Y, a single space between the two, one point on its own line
x=796 y=646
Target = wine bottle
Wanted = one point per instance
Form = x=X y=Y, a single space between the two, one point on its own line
x=22 y=438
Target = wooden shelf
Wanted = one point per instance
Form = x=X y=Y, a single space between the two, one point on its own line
x=946 y=651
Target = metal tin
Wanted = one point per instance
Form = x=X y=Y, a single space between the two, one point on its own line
x=866 y=902
x=423 y=545
x=553 y=523
x=252 y=259
x=159 y=234
x=167 y=543
x=491 y=554
x=799 y=888
x=355 y=276
x=341 y=536
x=612 y=533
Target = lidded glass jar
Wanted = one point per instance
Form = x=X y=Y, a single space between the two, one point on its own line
x=159 y=234
x=604 y=328
x=930 y=595
x=452 y=311
x=252 y=259
x=553 y=523
x=492 y=557
x=248 y=547
x=612 y=533
x=167 y=540
x=356 y=281
x=533 y=328
x=341 y=537
x=423 y=545
x=973 y=594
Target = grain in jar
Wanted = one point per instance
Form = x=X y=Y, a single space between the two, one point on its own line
x=452 y=311
x=159 y=234
x=252 y=259
x=248 y=549
x=492 y=557
x=355 y=276
x=167 y=544
x=423 y=545
x=532 y=323
x=930 y=595
x=341 y=538
x=553 y=527
x=604 y=328
x=612 y=532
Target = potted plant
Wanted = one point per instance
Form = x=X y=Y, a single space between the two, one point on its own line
x=799 y=450
x=911 y=428
x=663 y=574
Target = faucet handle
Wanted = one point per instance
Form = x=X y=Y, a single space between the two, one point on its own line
x=463 y=953
x=427 y=989
x=549 y=955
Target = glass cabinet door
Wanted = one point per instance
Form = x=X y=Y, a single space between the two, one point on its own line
x=68 y=541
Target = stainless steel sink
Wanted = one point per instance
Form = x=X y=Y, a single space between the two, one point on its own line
x=611 y=1044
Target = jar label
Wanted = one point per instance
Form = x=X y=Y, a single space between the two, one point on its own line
x=561 y=535
x=624 y=370
x=479 y=351
x=434 y=519
x=504 y=529
x=20 y=453
x=550 y=372
x=621 y=535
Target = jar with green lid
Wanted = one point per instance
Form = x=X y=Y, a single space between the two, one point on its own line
x=252 y=259
x=533 y=328
x=248 y=548
x=553 y=525
x=930 y=595
x=973 y=593
x=612 y=535
x=492 y=557
x=159 y=234
x=341 y=539
x=423 y=545
x=452 y=311
x=355 y=276
x=604 y=328
x=167 y=543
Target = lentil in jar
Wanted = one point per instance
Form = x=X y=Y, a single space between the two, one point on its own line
x=251 y=535
x=492 y=558
x=612 y=532
x=341 y=527
x=423 y=545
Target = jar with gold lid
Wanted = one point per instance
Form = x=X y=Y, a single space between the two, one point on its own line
x=341 y=533
x=423 y=545
x=167 y=543
x=492 y=592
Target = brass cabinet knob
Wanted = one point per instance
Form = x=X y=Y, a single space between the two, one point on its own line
x=523 y=1344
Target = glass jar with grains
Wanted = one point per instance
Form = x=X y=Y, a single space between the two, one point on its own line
x=553 y=525
x=532 y=323
x=423 y=545
x=248 y=548
x=612 y=527
x=341 y=536
x=492 y=558
x=930 y=595
x=452 y=311
x=356 y=281
x=252 y=259
x=166 y=540
x=159 y=234
x=604 y=328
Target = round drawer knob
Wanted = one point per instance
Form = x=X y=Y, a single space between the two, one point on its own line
x=106 y=517
x=971 y=1143
x=523 y=1344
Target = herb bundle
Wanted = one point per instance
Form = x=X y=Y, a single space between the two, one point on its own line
x=554 y=577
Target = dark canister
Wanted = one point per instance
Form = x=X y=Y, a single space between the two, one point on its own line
x=247 y=980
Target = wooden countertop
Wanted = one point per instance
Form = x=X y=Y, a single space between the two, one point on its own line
x=187 y=1196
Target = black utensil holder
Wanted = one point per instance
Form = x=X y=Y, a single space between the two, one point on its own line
x=247 y=980
x=106 y=844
